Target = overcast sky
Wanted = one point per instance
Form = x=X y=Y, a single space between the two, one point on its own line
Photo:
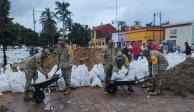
x=94 y=12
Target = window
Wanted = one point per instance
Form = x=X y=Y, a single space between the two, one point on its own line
x=172 y=36
x=174 y=31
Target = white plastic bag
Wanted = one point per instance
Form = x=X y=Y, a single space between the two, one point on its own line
x=41 y=78
x=4 y=83
x=75 y=77
x=17 y=81
x=115 y=76
x=96 y=82
x=84 y=75
x=1 y=93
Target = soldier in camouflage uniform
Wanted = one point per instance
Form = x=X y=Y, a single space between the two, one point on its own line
x=64 y=62
x=108 y=61
x=159 y=67
x=30 y=69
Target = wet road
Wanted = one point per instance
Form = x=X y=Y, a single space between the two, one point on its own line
x=96 y=100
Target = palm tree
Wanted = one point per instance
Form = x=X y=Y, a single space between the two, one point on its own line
x=48 y=23
x=63 y=15
x=4 y=21
x=137 y=22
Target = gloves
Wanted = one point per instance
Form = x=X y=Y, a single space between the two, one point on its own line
x=115 y=69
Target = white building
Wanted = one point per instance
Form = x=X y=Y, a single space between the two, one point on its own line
x=178 y=34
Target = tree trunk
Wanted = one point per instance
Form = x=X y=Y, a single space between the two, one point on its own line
x=63 y=28
x=4 y=56
x=52 y=41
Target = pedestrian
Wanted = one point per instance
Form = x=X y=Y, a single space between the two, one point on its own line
x=64 y=62
x=159 y=67
x=165 y=48
x=30 y=69
x=108 y=55
x=136 y=50
x=187 y=50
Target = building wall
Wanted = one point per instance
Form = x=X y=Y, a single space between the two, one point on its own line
x=183 y=34
x=135 y=36
x=115 y=39
x=159 y=35
x=144 y=36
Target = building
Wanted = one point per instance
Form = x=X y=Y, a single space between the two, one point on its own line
x=179 y=33
x=100 y=34
x=138 y=34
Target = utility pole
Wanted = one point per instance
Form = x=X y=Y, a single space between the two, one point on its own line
x=34 y=22
x=160 y=26
x=154 y=26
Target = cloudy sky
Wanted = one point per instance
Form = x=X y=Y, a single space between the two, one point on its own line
x=94 y=12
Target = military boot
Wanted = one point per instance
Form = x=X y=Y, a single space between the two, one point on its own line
x=67 y=91
x=27 y=96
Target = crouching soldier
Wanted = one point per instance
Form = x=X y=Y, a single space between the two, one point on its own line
x=30 y=69
x=64 y=62
x=122 y=60
x=108 y=61
x=159 y=66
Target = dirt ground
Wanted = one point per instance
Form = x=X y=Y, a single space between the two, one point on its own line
x=97 y=100
x=180 y=79
x=88 y=56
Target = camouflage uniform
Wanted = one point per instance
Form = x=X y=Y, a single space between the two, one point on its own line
x=65 y=64
x=108 y=62
x=120 y=60
x=31 y=72
x=159 y=69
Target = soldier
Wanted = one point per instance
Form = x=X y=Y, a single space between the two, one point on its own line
x=159 y=67
x=108 y=61
x=121 y=59
x=30 y=69
x=64 y=62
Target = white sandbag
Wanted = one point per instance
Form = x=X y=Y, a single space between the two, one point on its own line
x=75 y=77
x=41 y=78
x=100 y=72
x=61 y=84
x=17 y=81
x=115 y=76
x=84 y=75
x=1 y=93
x=8 y=69
x=22 y=78
x=17 y=87
x=122 y=73
x=96 y=82
x=4 y=86
x=91 y=75
x=4 y=82
x=51 y=73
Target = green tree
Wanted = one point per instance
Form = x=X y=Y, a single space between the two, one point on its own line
x=48 y=24
x=64 y=15
x=122 y=24
x=137 y=22
x=79 y=34
x=4 y=24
